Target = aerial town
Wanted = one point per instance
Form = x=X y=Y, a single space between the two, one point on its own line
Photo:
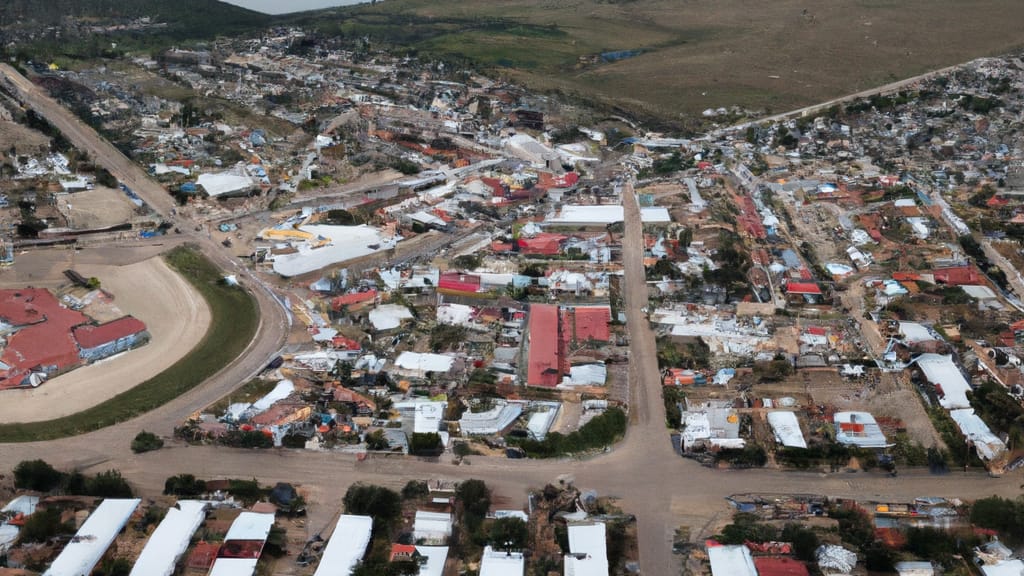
x=284 y=305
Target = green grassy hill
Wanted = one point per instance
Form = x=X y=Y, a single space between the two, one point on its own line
x=178 y=13
x=688 y=55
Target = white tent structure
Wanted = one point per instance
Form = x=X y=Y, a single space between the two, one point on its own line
x=346 y=547
x=91 y=541
x=170 y=539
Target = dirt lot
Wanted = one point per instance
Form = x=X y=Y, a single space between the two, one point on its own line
x=891 y=396
x=97 y=208
x=177 y=318
x=23 y=139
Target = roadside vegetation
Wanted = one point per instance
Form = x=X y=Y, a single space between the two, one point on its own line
x=233 y=325
x=602 y=431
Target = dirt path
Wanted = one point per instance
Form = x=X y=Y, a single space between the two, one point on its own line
x=177 y=318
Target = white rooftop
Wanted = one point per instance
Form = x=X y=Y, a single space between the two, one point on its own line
x=346 y=547
x=346 y=243
x=913 y=332
x=389 y=316
x=436 y=557
x=491 y=421
x=432 y=526
x=500 y=563
x=225 y=183
x=424 y=361
x=588 y=550
x=786 y=428
x=234 y=567
x=606 y=214
x=170 y=539
x=731 y=561
x=941 y=370
x=91 y=541
x=250 y=526
x=979 y=292
x=988 y=445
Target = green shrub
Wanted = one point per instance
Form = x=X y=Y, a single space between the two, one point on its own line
x=36 y=475
x=184 y=485
x=146 y=442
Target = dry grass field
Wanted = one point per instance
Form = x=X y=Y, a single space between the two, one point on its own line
x=695 y=54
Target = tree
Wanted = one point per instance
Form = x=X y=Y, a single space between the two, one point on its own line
x=382 y=504
x=247 y=491
x=509 y=533
x=109 y=484
x=476 y=503
x=425 y=444
x=415 y=489
x=376 y=440
x=184 y=485
x=36 y=475
x=805 y=541
x=146 y=441
x=93 y=283
x=43 y=525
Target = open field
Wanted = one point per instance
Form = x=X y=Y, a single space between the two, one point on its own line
x=97 y=208
x=766 y=56
x=176 y=317
x=234 y=320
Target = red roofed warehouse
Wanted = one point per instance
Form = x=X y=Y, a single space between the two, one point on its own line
x=97 y=342
x=554 y=331
x=42 y=341
x=543 y=369
x=957 y=276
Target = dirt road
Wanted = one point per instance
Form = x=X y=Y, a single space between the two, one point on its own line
x=273 y=327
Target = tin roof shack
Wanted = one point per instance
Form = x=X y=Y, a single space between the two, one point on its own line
x=859 y=429
x=432 y=527
x=710 y=424
x=779 y=566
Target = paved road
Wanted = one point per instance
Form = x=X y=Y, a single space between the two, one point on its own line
x=663 y=490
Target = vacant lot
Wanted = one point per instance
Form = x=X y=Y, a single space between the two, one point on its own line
x=696 y=55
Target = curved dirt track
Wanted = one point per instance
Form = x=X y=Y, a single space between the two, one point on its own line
x=176 y=316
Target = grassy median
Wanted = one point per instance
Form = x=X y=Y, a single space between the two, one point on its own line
x=233 y=322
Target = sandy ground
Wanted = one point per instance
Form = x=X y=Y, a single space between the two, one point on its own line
x=177 y=318
x=96 y=208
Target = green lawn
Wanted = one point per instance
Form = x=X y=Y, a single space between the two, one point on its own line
x=234 y=318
